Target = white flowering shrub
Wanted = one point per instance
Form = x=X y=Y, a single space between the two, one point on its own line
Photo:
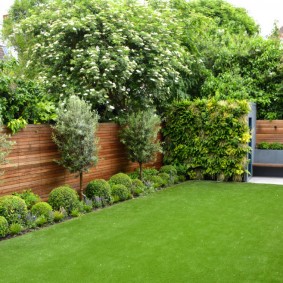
x=119 y=55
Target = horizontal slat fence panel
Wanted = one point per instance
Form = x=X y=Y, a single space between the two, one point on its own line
x=269 y=131
x=31 y=162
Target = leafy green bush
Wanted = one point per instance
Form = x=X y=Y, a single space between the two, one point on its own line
x=41 y=208
x=29 y=197
x=156 y=181
x=4 y=226
x=13 y=208
x=41 y=220
x=150 y=172
x=120 y=192
x=99 y=188
x=146 y=172
x=65 y=197
x=57 y=216
x=137 y=188
x=15 y=228
x=75 y=212
x=166 y=178
x=272 y=146
x=121 y=179
x=169 y=169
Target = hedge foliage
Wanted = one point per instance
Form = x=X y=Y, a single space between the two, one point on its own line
x=209 y=137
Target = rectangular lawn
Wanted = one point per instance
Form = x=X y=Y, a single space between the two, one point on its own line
x=193 y=232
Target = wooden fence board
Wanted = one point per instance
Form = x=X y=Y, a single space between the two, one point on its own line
x=31 y=162
x=269 y=131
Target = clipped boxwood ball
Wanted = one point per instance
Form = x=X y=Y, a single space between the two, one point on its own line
x=121 y=179
x=41 y=208
x=65 y=197
x=120 y=192
x=13 y=208
x=98 y=188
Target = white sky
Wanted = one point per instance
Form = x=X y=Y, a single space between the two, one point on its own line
x=264 y=12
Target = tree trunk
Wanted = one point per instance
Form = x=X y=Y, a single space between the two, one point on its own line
x=140 y=164
x=81 y=185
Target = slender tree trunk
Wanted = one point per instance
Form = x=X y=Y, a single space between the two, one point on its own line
x=81 y=185
x=140 y=164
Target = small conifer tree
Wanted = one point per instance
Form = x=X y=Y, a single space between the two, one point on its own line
x=5 y=146
x=139 y=134
x=75 y=136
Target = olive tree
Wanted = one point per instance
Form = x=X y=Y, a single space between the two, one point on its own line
x=139 y=135
x=75 y=136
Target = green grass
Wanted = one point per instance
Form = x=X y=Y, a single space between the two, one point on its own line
x=193 y=232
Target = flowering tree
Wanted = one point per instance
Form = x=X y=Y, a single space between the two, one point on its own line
x=119 y=55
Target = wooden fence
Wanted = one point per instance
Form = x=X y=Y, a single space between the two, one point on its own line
x=269 y=131
x=31 y=162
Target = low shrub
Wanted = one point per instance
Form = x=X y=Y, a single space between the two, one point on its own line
x=166 y=178
x=41 y=208
x=30 y=220
x=156 y=181
x=137 y=188
x=120 y=192
x=13 y=208
x=65 y=197
x=97 y=202
x=41 y=220
x=171 y=171
x=29 y=197
x=15 y=228
x=99 y=188
x=133 y=175
x=148 y=172
x=75 y=212
x=57 y=216
x=149 y=188
x=121 y=179
x=4 y=226
x=270 y=145
x=87 y=205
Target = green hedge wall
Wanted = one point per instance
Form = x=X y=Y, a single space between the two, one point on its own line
x=209 y=137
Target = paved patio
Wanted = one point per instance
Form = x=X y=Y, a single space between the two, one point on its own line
x=266 y=180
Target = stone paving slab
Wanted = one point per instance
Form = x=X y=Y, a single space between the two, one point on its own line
x=266 y=180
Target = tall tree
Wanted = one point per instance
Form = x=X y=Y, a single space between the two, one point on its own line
x=75 y=136
x=119 y=55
